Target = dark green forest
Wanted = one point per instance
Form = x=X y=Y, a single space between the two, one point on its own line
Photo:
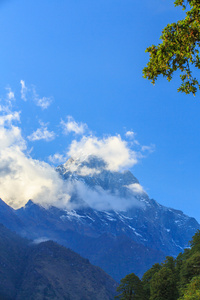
x=171 y=280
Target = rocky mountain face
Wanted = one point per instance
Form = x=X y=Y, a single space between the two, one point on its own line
x=48 y=271
x=111 y=220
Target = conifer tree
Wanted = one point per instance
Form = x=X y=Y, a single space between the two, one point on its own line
x=163 y=285
x=147 y=277
x=130 y=288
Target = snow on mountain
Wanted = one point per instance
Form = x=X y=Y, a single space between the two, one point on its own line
x=112 y=221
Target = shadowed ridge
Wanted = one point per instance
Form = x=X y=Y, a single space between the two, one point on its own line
x=55 y=272
x=48 y=271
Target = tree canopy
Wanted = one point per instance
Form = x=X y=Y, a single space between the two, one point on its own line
x=174 y=279
x=179 y=49
x=192 y=292
x=130 y=288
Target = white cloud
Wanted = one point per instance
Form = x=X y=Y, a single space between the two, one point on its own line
x=101 y=199
x=113 y=150
x=57 y=158
x=43 y=102
x=136 y=188
x=42 y=134
x=23 y=90
x=7 y=119
x=10 y=136
x=23 y=178
x=40 y=240
x=10 y=94
x=149 y=149
x=72 y=126
x=130 y=134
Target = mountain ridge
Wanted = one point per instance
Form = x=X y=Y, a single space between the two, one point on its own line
x=126 y=232
x=47 y=270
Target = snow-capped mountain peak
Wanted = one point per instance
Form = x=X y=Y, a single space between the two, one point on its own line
x=120 y=229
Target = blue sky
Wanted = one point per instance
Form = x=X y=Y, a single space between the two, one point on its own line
x=85 y=58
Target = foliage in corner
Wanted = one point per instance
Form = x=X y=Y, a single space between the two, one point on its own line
x=174 y=279
x=179 y=50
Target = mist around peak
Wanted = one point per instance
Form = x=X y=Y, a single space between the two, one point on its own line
x=22 y=177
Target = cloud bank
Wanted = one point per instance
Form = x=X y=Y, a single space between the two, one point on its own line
x=113 y=150
x=101 y=199
x=23 y=178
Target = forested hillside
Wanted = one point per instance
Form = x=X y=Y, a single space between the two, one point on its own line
x=174 y=279
x=46 y=270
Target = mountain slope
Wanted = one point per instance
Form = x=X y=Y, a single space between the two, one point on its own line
x=104 y=241
x=13 y=250
x=110 y=220
x=48 y=271
x=54 y=272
